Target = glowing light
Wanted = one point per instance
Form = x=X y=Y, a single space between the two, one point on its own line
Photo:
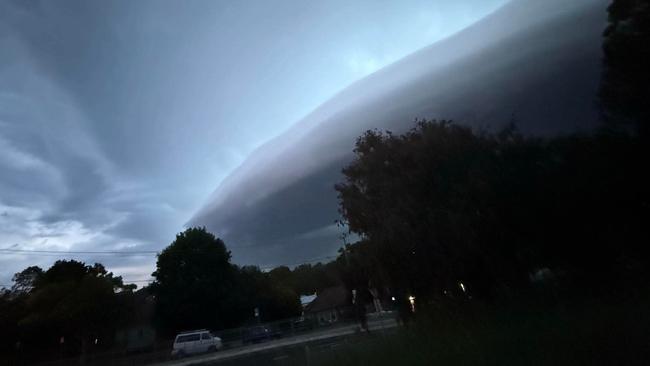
x=412 y=301
x=462 y=287
x=393 y=298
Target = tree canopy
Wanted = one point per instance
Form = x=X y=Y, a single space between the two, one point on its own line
x=625 y=86
x=198 y=287
x=442 y=204
x=194 y=282
x=71 y=301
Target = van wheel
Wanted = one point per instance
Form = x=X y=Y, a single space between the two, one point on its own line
x=180 y=354
x=212 y=349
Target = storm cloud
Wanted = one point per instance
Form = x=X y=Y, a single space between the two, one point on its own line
x=117 y=118
x=536 y=63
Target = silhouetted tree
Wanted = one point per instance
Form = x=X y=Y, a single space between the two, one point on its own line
x=25 y=280
x=442 y=204
x=307 y=279
x=194 y=280
x=270 y=293
x=13 y=308
x=421 y=199
x=71 y=300
x=625 y=87
x=197 y=287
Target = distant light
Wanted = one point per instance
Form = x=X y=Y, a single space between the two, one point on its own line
x=462 y=287
x=412 y=301
x=393 y=298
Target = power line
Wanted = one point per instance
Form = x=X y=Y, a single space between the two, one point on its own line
x=270 y=243
x=123 y=281
x=137 y=281
x=143 y=252
x=103 y=252
x=108 y=252
x=134 y=253
x=309 y=261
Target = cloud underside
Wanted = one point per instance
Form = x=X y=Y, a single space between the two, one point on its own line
x=534 y=63
x=58 y=189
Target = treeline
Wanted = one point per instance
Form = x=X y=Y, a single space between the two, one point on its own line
x=66 y=310
x=503 y=213
x=74 y=309
x=197 y=286
x=443 y=205
x=307 y=279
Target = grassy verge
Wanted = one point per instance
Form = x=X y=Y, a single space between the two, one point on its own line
x=589 y=333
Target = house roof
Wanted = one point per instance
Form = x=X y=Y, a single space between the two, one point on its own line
x=306 y=299
x=329 y=298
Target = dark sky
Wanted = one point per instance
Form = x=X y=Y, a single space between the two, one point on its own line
x=119 y=118
x=535 y=63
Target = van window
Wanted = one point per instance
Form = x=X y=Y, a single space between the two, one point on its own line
x=205 y=336
x=187 y=338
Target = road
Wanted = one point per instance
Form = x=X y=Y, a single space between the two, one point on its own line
x=286 y=350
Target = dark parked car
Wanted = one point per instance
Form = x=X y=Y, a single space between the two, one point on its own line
x=259 y=334
x=303 y=325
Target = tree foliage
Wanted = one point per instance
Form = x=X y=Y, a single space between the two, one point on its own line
x=442 y=204
x=307 y=279
x=625 y=86
x=194 y=281
x=71 y=301
x=25 y=280
x=197 y=287
x=273 y=297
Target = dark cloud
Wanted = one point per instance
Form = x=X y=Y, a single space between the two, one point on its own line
x=291 y=224
x=116 y=118
x=536 y=62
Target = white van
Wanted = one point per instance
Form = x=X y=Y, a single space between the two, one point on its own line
x=195 y=341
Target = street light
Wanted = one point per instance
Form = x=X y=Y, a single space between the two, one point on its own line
x=412 y=302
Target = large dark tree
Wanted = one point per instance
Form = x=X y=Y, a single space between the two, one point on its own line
x=195 y=283
x=421 y=199
x=625 y=88
x=443 y=204
x=70 y=301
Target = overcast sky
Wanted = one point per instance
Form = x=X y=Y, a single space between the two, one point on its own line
x=119 y=118
x=512 y=65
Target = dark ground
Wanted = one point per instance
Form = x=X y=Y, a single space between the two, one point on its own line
x=579 y=333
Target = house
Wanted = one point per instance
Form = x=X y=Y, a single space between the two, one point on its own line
x=306 y=299
x=330 y=305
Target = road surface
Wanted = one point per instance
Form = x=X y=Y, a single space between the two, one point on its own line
x=279 y=349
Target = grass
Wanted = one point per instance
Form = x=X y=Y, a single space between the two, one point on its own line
x=589 y=333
